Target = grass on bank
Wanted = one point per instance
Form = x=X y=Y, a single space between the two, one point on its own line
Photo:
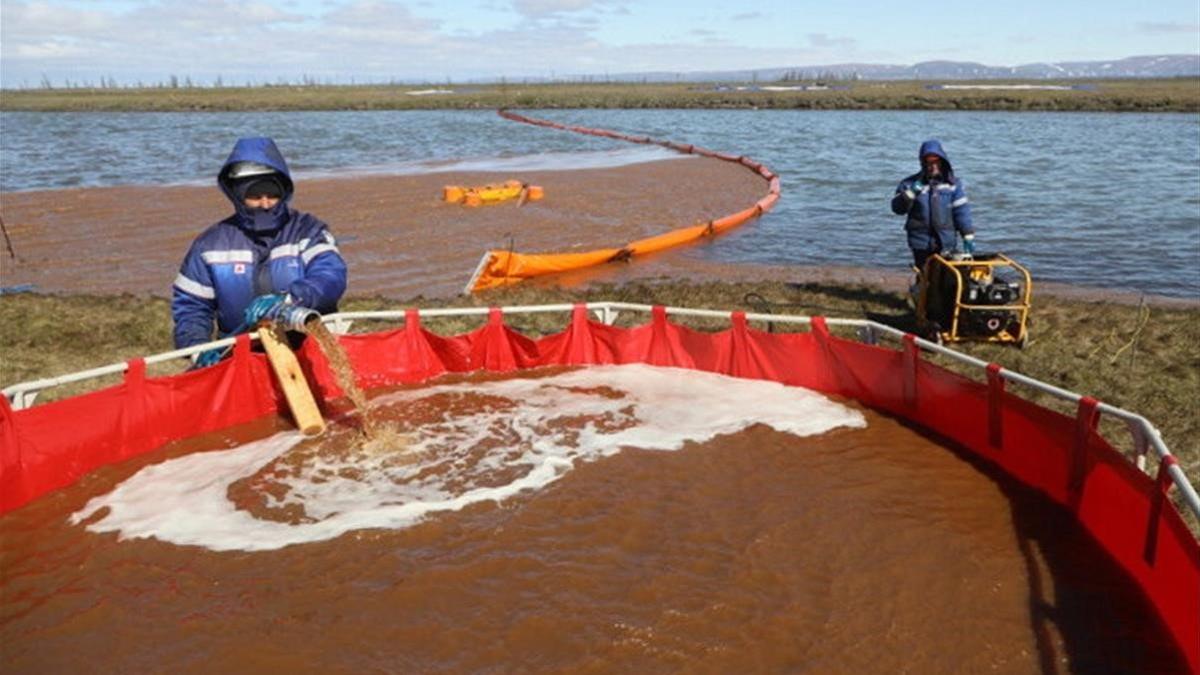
x=1145 y=359
x=1122 y=95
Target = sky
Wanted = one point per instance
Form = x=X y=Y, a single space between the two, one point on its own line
x=440 y=41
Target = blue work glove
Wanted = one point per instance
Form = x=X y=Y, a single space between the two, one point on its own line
x=969 y=243
x=263 y=307
x=209 y=358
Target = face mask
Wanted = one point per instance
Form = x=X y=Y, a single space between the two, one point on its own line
x=265 y=219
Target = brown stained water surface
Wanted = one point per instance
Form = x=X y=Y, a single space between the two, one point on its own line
x=858 y=550
x=398 y=237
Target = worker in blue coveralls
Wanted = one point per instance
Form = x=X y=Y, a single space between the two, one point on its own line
x=935 y=203
x=262 y=258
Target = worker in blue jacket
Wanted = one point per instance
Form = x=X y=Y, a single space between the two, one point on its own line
x=935 y=203
x=263 y=257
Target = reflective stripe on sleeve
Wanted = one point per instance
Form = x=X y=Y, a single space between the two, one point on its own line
x=958 y=202
x=317 y=250
x=195 y=288
x=235 y=256
x=287 y=250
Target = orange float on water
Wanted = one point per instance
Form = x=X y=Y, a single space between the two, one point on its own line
x=492 y=193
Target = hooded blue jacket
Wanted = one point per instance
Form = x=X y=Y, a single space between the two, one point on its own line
x=937 y=209
x=254 y=252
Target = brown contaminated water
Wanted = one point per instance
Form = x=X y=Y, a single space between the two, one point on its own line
x=858 y=550
x=398 y=237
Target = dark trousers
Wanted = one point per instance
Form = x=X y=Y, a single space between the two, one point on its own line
x=919 y=258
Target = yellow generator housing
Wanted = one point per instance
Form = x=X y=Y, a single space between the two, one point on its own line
x=983 y=298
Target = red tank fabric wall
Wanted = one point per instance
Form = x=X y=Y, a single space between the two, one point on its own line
x=52 y=445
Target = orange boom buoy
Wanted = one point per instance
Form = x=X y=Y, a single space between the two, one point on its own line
x=489 y=194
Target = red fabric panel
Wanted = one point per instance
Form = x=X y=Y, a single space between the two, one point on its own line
x=1150 y=552
x=15 y=486
x=742 y=355
x=1086 y=420
x=995 y=406
x=58 y=442
x=407 y=355
x=912 y=354
x=584 y=342
x=497 y=347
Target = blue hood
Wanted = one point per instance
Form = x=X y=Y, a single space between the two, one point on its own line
x=262 y=150
x=934 y=147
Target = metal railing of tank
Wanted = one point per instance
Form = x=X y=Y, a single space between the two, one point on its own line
x=1145 y=435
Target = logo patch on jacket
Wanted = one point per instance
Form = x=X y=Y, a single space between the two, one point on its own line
x=239 y=268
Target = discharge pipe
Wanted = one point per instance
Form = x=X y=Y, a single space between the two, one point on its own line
x=295 y=317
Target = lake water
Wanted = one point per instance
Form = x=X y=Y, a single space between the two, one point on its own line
x=1094 y=199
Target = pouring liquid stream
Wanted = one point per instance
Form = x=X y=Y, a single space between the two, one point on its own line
x=340 y=364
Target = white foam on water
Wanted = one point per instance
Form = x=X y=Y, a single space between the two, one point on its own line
x=478 y=442
x=542 y=161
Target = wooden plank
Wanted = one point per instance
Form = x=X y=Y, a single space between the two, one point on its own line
x=291 y=379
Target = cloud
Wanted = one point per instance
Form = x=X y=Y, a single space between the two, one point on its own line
x=357 y=25
x=256 y=41
x=250 y=40
x=372 y=14
x=1170 y=27
x=823 y=41
x=48 y=50
x=543 y=8
x=42 y=22
x=746 y=16
x=688 y=57
x=173 y=24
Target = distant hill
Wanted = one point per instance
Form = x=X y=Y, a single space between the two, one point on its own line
x=1168 y=65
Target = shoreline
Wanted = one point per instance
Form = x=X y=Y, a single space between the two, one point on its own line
x=891 y=280
x=881 y=279
x=1180 y=94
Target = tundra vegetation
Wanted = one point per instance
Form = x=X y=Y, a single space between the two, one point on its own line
x=1117 y=95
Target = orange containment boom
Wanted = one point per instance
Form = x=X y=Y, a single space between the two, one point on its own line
x=505 y=267
x=493 y=193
